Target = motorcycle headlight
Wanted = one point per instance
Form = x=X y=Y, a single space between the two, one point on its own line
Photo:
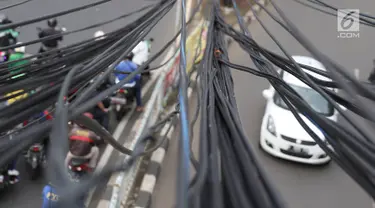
x=271 y=126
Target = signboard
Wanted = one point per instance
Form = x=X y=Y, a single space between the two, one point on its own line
x=171 y=81
x=170 y=78
x=192 y=43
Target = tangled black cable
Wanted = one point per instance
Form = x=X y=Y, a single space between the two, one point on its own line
x=99 y=56
x=229 y=174
x=315 y=4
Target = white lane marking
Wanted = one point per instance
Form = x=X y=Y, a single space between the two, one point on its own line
x=103 y=204
x=158 y=155
x=148 y=183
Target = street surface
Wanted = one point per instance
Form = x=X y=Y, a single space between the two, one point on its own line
x=301 y=186
x=27 y=193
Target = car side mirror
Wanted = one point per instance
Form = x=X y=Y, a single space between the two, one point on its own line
x=267 y=94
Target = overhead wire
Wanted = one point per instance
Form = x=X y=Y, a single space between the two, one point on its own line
x=15 y=4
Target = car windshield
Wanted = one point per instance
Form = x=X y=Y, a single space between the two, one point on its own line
x=313 y=98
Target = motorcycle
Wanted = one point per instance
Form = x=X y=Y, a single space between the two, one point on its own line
x=79 y=168
x=36 y=159
x=122 y=101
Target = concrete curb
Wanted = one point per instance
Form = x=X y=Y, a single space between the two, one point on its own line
x=249 y=17
x=153 y=171
x=156 y=161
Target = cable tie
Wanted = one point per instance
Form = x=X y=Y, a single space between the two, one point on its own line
x=217 y=52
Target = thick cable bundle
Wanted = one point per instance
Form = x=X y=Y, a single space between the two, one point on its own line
x=229 y=173
x=227 y=165
x=66 y=69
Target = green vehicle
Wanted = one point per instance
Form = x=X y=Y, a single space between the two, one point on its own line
x=18 y=53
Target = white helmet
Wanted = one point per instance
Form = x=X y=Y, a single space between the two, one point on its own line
x=21 y=49
x=98 y=34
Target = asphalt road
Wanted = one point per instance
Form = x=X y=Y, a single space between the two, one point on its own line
x=300 y=185
x=27 y=194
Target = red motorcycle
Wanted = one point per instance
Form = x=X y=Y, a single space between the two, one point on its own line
x=79 y=168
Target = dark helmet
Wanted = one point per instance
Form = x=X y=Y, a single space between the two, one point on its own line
x=130 y=56
x=52 y=22
x=4 y=19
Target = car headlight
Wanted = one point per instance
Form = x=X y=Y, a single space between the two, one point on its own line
x=271 y=126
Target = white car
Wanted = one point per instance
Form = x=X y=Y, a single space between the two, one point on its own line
x=281 y=135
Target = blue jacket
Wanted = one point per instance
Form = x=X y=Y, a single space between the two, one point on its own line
x=50 y=197
x=127 y=66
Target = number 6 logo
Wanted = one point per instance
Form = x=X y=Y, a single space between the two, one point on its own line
x=348 y=20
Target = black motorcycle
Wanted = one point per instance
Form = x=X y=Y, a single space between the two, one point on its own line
x=79 y=168
x=122 y=101
x=35 y=159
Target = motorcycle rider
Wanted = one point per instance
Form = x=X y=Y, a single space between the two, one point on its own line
x=83 y=144
x=51 y=30
x=50 y=196
x=100 y=112
x=141 y=53
x=9 y=36
x=129 y=66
